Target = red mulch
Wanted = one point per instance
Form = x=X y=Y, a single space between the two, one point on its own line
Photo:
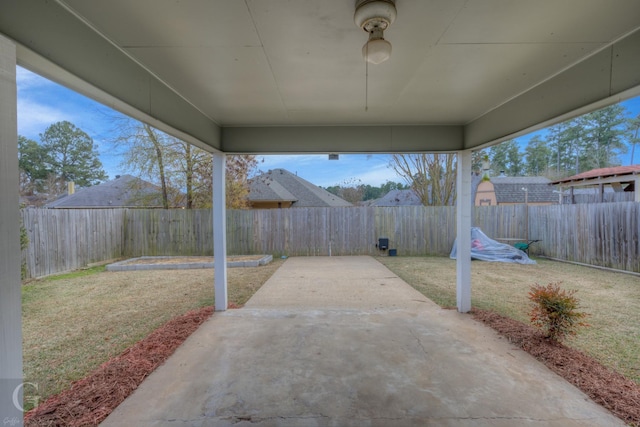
x=92 y=398
x=608 y=388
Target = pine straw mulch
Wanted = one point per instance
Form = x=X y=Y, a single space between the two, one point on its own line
x=618 y=394
x=91 y=399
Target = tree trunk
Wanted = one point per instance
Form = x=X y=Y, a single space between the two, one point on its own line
x=163 y=180
x=189 y=174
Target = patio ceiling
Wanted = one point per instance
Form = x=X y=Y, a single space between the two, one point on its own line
x=269 y=76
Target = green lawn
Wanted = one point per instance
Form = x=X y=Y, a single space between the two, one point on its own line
x=611 y=299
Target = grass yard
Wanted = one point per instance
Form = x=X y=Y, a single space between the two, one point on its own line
x=611 y=299
x=72 y=323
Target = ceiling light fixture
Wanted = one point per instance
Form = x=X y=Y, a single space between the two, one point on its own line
x=375 y=16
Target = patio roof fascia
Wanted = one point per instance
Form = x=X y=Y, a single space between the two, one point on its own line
x=342 y=139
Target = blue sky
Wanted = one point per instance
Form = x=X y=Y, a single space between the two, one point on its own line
x=42 y=103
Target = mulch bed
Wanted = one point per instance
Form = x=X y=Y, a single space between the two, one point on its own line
x=91 y=399
x=608 y=388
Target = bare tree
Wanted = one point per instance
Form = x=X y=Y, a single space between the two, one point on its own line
x=431 y=176
x=145 y=152
x=351 y=190
x=183 y=170
x=154 y=138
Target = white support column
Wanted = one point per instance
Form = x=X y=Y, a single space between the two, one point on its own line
x=636 y=186
x=219 y=231
x=10 y=287
x=463 y=221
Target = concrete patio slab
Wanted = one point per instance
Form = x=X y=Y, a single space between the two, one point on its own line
x=342 y=341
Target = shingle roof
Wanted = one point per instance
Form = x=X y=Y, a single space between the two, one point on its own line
x=410 y=198
x=282 y=185
x=602 y=173
x=269 y=190
x=520 y=180
x=124 y=191
x=398 y=198
x=509 y=189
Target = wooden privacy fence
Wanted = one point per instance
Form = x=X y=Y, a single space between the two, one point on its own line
x=68 y=239
x=295 y=232
x=602 y=234
x=62 y=240
x=412 y=230
x=155 y=232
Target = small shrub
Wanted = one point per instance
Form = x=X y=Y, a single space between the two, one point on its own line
x=554 y=310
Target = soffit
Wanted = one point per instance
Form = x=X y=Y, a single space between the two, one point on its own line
x=210 y=69
x=267 y=62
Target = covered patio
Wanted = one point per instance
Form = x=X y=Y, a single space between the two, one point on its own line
x=274 y=76
x=342 y=341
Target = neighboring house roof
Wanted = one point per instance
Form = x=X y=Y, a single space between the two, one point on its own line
x=124 y=191
x=280 y=185
x=269 y=190
x=625 y=173
x=509 y=189
x=410 y=198
x=398 y=198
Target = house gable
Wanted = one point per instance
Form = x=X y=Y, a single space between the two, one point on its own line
x=280 y=188
x=507 y=190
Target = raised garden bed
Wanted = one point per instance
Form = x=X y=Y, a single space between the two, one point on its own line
x=185 y=262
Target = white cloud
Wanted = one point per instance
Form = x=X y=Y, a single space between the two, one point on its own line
x=36 y=110
x=378 y=176
x=35 y=117
x=26 y=80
